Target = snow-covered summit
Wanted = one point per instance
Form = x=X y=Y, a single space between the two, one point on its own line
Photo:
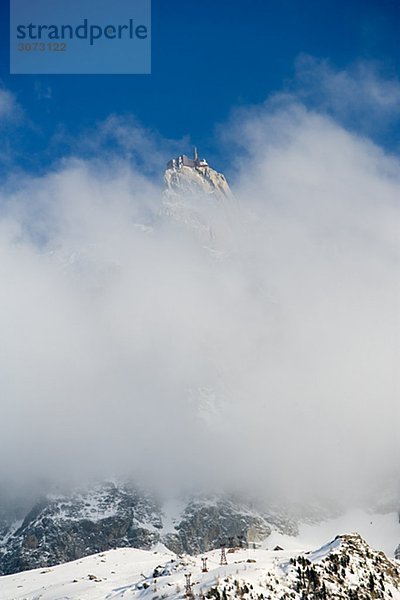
x=199 y=199
x=195 y=177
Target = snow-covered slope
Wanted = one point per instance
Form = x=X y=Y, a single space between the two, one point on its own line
x=380 y=530
x=92 y=577
x=345 y=568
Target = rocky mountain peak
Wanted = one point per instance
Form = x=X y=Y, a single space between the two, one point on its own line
x=61 y=528
x=199 y=198
x=194 y=177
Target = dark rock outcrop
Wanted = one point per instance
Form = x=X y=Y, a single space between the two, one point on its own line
x=63 y=528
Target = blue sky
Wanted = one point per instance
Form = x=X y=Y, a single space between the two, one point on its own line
x=209 y=58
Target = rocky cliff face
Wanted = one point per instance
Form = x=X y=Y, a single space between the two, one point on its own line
x=64 y=528
x=196 y=181
x=199 y=198
x=58 y=529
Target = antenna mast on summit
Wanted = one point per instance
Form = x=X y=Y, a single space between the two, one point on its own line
x=196 y=156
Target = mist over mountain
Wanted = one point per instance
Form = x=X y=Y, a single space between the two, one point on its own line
x=210 y=338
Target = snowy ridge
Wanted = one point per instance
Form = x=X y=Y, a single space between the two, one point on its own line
x=323 y=552
x=345 y=568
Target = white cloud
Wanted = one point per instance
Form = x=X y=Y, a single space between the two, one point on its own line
x=325 y=245
x=360 y=95
x=124 y=135
x=273 y=365
x=9 y=109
